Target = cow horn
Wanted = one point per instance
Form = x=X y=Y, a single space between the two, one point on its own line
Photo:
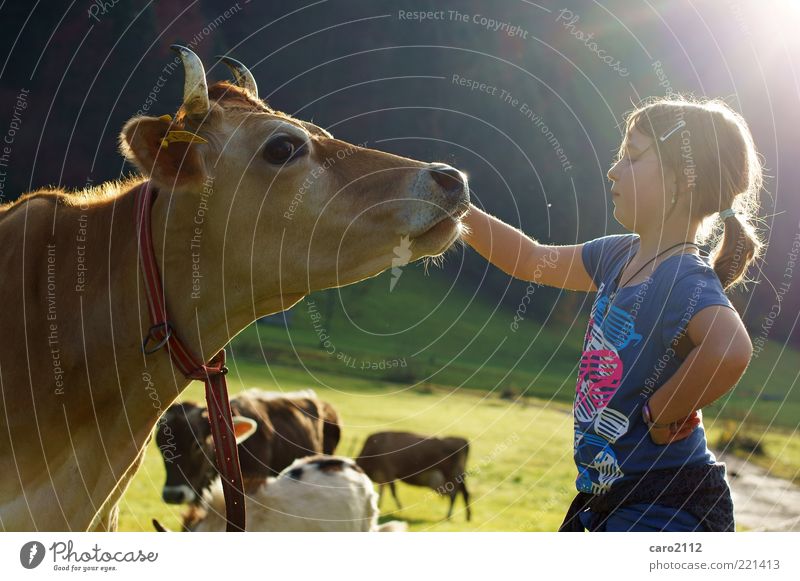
x=195 y=89
x=244 y=78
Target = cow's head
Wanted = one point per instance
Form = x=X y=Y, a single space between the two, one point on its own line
x=184 y=440
x=286 y=207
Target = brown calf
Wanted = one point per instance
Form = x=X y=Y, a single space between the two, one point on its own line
x=436 y=463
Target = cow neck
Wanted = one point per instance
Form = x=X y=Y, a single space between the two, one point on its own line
x=163 y=335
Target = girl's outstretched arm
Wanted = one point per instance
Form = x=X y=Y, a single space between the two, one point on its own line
x=523 y=257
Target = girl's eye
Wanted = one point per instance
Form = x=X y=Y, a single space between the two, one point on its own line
x=281 y=149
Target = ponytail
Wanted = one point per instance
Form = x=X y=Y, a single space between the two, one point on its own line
x=737 y=248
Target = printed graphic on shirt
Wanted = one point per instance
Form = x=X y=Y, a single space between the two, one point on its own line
x=600 y=371
x=618 y=324
x=598 y=468
x=611 y=424
x=599 y=378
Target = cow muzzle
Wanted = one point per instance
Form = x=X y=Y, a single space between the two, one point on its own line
x=441 y=195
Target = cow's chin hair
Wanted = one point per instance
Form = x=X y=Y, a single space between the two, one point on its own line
x=438 y=238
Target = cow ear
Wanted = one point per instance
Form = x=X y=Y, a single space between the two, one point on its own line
x=243 y=428
x=170 y=156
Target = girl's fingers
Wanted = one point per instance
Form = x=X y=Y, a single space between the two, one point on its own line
x=660 y=435
x=685 y=431
x=666 y=436
x=687 y=426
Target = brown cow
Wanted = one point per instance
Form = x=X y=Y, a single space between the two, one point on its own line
x=288 y=427
x=259 y=212
x=436 y=463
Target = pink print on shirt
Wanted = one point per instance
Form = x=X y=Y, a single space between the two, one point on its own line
x=599 y=377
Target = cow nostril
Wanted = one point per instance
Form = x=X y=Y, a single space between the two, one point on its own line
x=449 y=178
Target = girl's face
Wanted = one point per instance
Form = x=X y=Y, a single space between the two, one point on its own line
x=642 y=189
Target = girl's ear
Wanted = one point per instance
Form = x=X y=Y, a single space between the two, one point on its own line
x=170 y=157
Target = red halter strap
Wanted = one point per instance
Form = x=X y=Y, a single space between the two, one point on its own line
x=161 y=334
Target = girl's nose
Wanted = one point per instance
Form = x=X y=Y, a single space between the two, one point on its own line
x=612 y=172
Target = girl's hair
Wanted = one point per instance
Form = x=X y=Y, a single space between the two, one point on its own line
x=714 y=159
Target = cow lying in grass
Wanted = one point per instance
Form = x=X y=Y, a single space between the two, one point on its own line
x=288 y=426
x=436 y=463
x=314 y=494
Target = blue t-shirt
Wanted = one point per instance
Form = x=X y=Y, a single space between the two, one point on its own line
x=627 y=355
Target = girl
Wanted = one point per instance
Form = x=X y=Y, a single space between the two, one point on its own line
x=663 y=340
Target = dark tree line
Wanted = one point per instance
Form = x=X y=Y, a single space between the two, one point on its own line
x=536 y=148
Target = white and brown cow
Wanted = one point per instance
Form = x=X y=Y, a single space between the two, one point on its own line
x=287 y=427
x=313 y=494
x=435 y=463
x=257 y=213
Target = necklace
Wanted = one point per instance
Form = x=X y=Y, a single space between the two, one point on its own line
x=618 y=286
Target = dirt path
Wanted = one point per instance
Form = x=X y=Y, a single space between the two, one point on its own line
x=761 y=502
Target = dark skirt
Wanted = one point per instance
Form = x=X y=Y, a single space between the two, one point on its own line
x=701 y=490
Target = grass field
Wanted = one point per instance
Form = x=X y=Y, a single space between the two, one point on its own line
x=521 y=473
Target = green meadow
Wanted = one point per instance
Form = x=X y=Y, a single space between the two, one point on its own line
x=425 y=356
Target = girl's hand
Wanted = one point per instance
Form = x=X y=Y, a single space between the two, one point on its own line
x=678 y=430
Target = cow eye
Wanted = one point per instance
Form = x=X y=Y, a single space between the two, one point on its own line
x=282 y=149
